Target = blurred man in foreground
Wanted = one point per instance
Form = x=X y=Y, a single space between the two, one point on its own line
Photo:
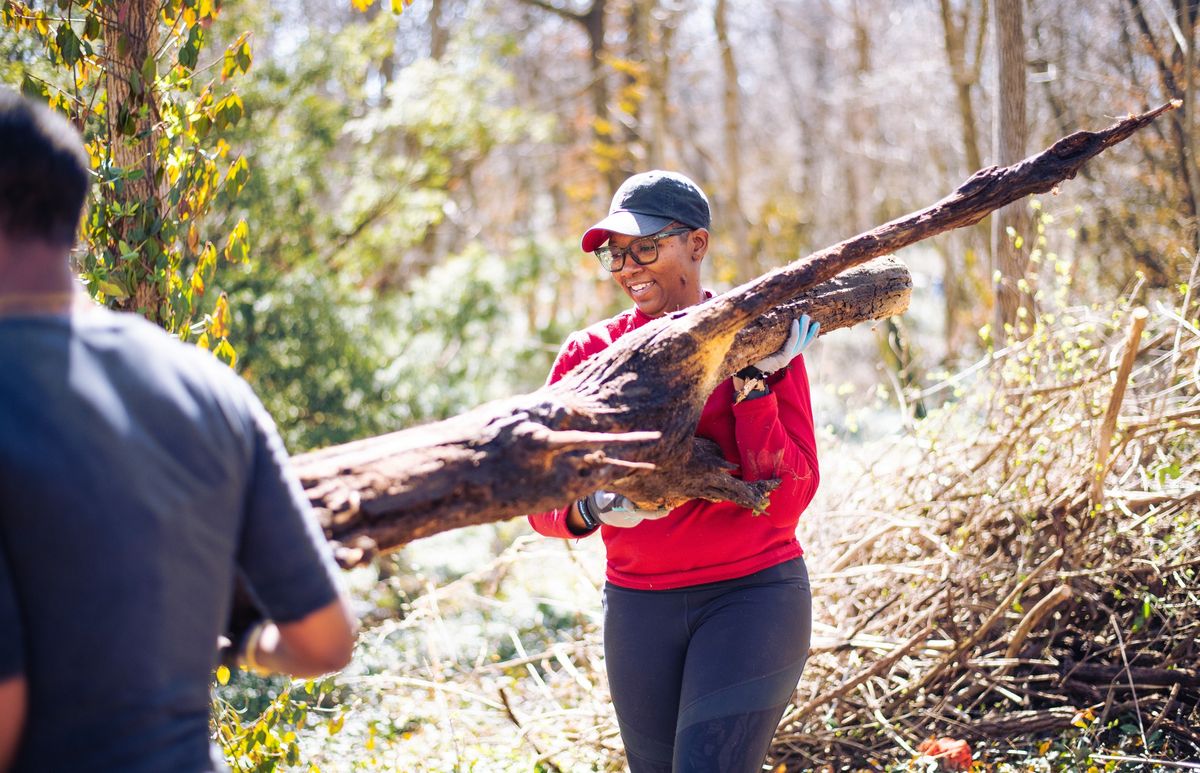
x=138 y=477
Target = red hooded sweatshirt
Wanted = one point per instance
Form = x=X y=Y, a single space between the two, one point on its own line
x=701 y=541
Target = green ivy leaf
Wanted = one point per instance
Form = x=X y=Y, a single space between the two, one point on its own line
x=112 y=289
x=239 y=173
x=68 y=44
x=189 y=54
x=34 y=88
x=91 y=27
x=229 y=111
x=149 y=70
x=237 y=57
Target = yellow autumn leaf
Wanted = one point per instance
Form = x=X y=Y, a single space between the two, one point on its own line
x=226 y=352
x=197 y=283
x=219 y=326
x=222 y=675
x=361 y=5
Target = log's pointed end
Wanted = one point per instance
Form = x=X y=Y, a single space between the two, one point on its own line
x=1123 y=129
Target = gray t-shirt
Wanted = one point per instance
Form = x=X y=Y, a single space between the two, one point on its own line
x=137 y=475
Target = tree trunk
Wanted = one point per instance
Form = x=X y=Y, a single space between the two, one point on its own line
x=625 y=418
x=964 y=33
x=965 y=70
x=860 y=124
x=1009 y=145
x=661 y=34
x=730 y=195
x=131 y=118
x=593 y=22
x=439 y=30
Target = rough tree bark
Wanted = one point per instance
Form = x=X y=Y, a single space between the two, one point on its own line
x=130 y=40
x=964 y=29
x=729 y=195
x=1009 y=137
x=958 y=27
x=593 y=22
x=625 y=419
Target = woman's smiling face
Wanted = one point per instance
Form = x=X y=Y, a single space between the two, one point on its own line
x=670 y=283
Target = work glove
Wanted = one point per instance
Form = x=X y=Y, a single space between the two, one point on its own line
x=616 y=510
x=804 y=331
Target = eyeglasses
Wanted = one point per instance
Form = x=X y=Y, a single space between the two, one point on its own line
x=644 y=251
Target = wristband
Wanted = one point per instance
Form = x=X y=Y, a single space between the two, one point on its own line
x=754 y=384
x=252 y=639
x=590 y=521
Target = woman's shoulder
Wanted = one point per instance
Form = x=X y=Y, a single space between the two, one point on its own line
x=600 y=335
x=592 y=339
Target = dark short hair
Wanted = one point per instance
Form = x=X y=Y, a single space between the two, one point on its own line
x=44 y=173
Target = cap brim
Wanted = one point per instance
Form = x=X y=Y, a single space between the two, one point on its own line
x=626 y=223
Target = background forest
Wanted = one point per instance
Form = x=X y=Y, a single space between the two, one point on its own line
x=373 y=214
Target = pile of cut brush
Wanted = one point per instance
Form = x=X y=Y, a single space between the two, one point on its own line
x=1028 y=565
x=979 y=579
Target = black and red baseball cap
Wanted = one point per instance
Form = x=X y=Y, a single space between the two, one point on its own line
x=647 y=203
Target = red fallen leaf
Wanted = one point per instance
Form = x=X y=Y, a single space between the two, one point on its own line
x=953 y=753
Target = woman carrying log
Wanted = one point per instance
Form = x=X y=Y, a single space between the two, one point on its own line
x=707 y=607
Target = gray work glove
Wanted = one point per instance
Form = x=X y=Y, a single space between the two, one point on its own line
x=616 y=510
x=804 y=331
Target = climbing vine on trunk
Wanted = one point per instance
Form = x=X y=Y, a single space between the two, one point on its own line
x=153 y=103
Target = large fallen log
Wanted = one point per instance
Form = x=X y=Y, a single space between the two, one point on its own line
x=625 y=418
x=493 y=449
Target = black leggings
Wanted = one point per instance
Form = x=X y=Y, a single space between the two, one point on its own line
x=700 y=676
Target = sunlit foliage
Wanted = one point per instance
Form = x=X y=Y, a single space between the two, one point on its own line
x=152 y=101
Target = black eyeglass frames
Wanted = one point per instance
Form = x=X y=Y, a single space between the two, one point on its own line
x=644 y=251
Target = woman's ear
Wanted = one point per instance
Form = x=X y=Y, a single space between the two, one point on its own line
x=698 y=242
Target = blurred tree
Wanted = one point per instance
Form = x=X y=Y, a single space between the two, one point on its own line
x=439 y=29
x=364 y=189
x=1174 y=59
x=604 y=132
x=861 y=173
x=964 y=28
x=1010 y=225
x=728 y=193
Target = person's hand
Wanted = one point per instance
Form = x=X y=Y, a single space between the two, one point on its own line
x=804 y=331
x=616 y=510
x=241 y=652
